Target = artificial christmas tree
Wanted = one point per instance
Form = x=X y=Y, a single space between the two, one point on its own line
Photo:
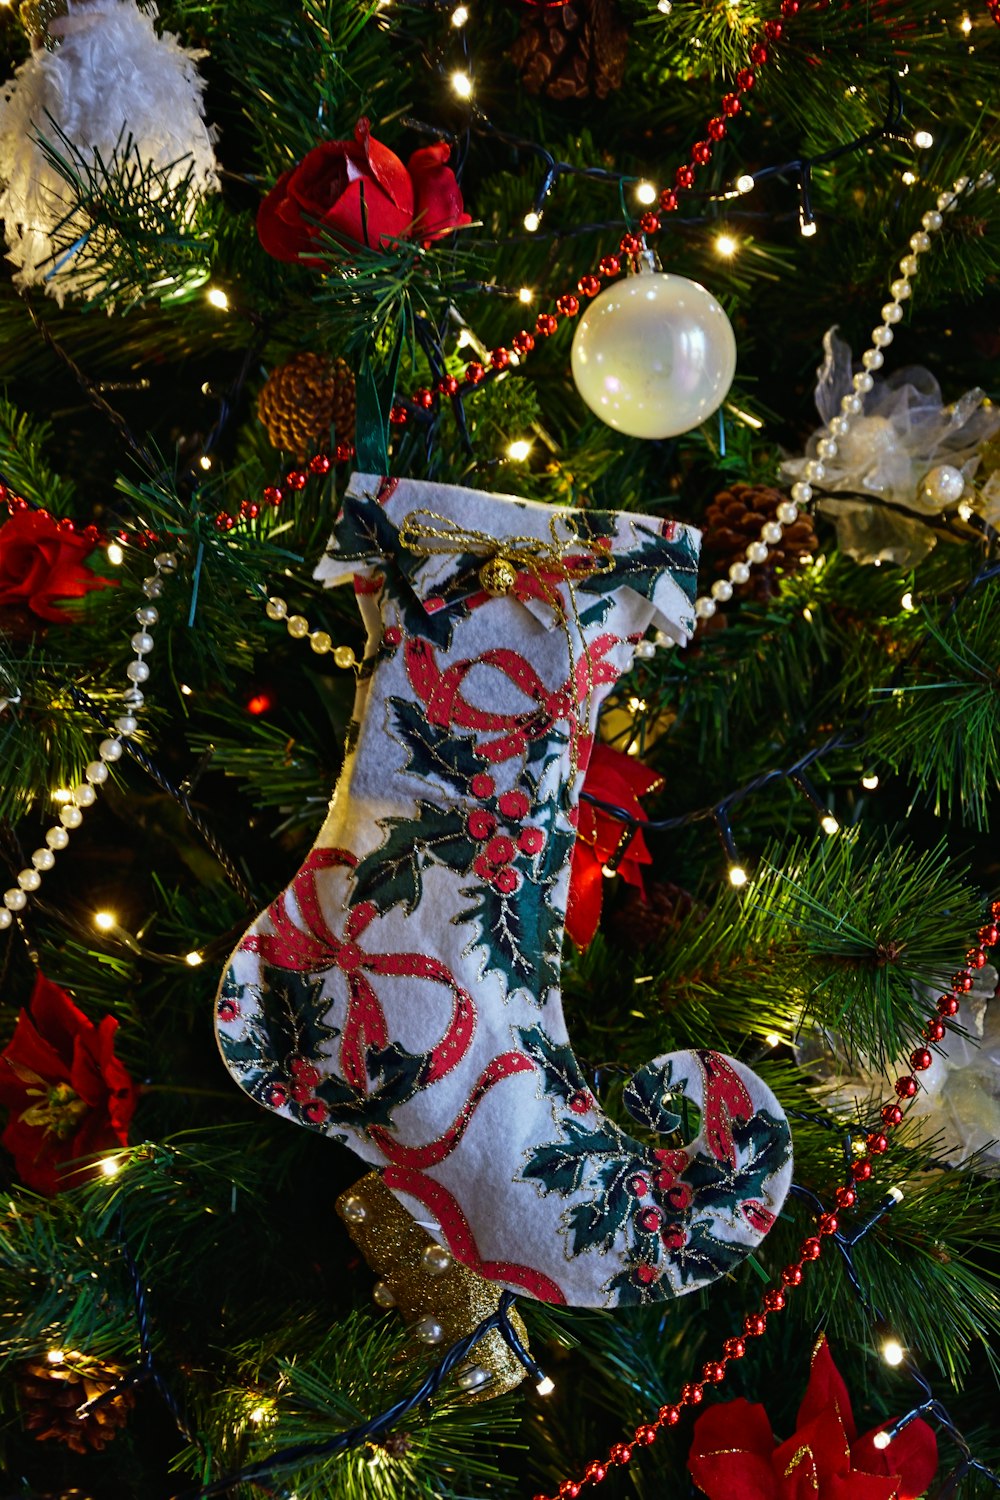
x=442 y=194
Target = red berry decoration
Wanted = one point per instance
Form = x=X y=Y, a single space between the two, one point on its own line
x=891 y=1115
x=649 y=223
x=774 y=1300
x=645 y=1435
x=668 y=200
x=949 y=1005
x=630 y=244
x=568 y=305
x=620 y=1453
x=921 y=1060
x=773 y=30
x=474 y=372
x=828 y=1223
x=716 y=128
x=589 y=286
x=758 y=55
x=448 y=385
x=701 y=152
x=877 y=1144
x=523 y=342
x=669 y=1415
x=423 y=397
x=962 y=981
x=691 y=1395
x=546 y=324
x=846 y=1196
x=609 y=265
x=595 y=1471
x=684 y=178
x=500 y=359
x=811 y=1249
x=734 y=1348
x=754 y=1325
x=321 y=463
x=935 y=1031
x=713 y=1372
x=861 y=1170
x=792 y=1275
x=296 y=479
x=731 y=105
x=745 y=80
x=906 y=1087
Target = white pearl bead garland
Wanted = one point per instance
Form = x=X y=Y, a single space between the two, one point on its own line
x=298 y=628
x=108 y=751
x=851 y=406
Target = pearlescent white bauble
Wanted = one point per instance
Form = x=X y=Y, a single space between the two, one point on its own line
x=654 y=355
x=945 y=484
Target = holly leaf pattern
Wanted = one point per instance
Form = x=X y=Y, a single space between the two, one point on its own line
x=562 y=1166
x=647 y=1097
x=435 y=752
x=562 y=1076
x=391 y=874
x=761 y=1143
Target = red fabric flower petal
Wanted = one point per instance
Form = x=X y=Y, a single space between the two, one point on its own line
x=824 y=1440
x=826 y=1388
x=366 y=215
x=857 y=1486
x=439 y=203
x=911 y=1458
x=66 y=1092
x=731 y=1450
x=387 y=169
x=586 y=893
x=40 y=562
x=281 y=237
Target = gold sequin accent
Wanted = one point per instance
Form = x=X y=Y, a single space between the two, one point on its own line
x=459 y=1299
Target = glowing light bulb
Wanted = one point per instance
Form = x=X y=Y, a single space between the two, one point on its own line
x=188 y=692
x=462 y=84
x=725 y=245
x=526 y=295
x=773 y=1039
x=881 y=1440
x=646 y=192
x=907 y=601
x=737 y=876
x=111 y=1166
x=870 y=783
x=545 y=1386
x=105 y=920
x=194 y=958
x=205 y=462
x=519 y=449
x=62 y=794
x=218 y=298
x=664 y=6
x=923 y=140
x=115 y=554
x=909 y=178
x=258 y=1414
x=828 y=823
x=807 y=227
x=609 y=872
x=459 y=15
x=56 y=1356
x=532 y=221
x=896 y=1194
x=893 y=1352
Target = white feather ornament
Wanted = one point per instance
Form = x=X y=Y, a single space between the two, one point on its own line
x=110 y=84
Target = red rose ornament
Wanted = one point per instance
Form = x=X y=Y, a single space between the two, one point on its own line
x=359 y=192
x=735 y=1456
x=66 y=1093
x=41 y=562
x=621 y=780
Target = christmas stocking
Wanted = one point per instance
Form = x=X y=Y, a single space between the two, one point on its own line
x=402 y=994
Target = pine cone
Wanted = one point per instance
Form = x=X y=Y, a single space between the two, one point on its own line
x=302 y=400
x=734 y=519
x=51 y=1391
x=638 y=921
x=572 y=51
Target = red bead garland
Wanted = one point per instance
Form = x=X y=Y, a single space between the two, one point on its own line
x=774 y=1299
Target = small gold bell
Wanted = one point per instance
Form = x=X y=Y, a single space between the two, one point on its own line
x=497 y=576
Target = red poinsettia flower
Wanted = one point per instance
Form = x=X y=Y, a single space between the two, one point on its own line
x=621 y=780
x=41 y=561
x=735 y=1456
x=66 y=1092
x=360 y=191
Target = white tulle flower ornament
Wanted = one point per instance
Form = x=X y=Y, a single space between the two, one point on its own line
x=906 y=448
x=110 y=93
